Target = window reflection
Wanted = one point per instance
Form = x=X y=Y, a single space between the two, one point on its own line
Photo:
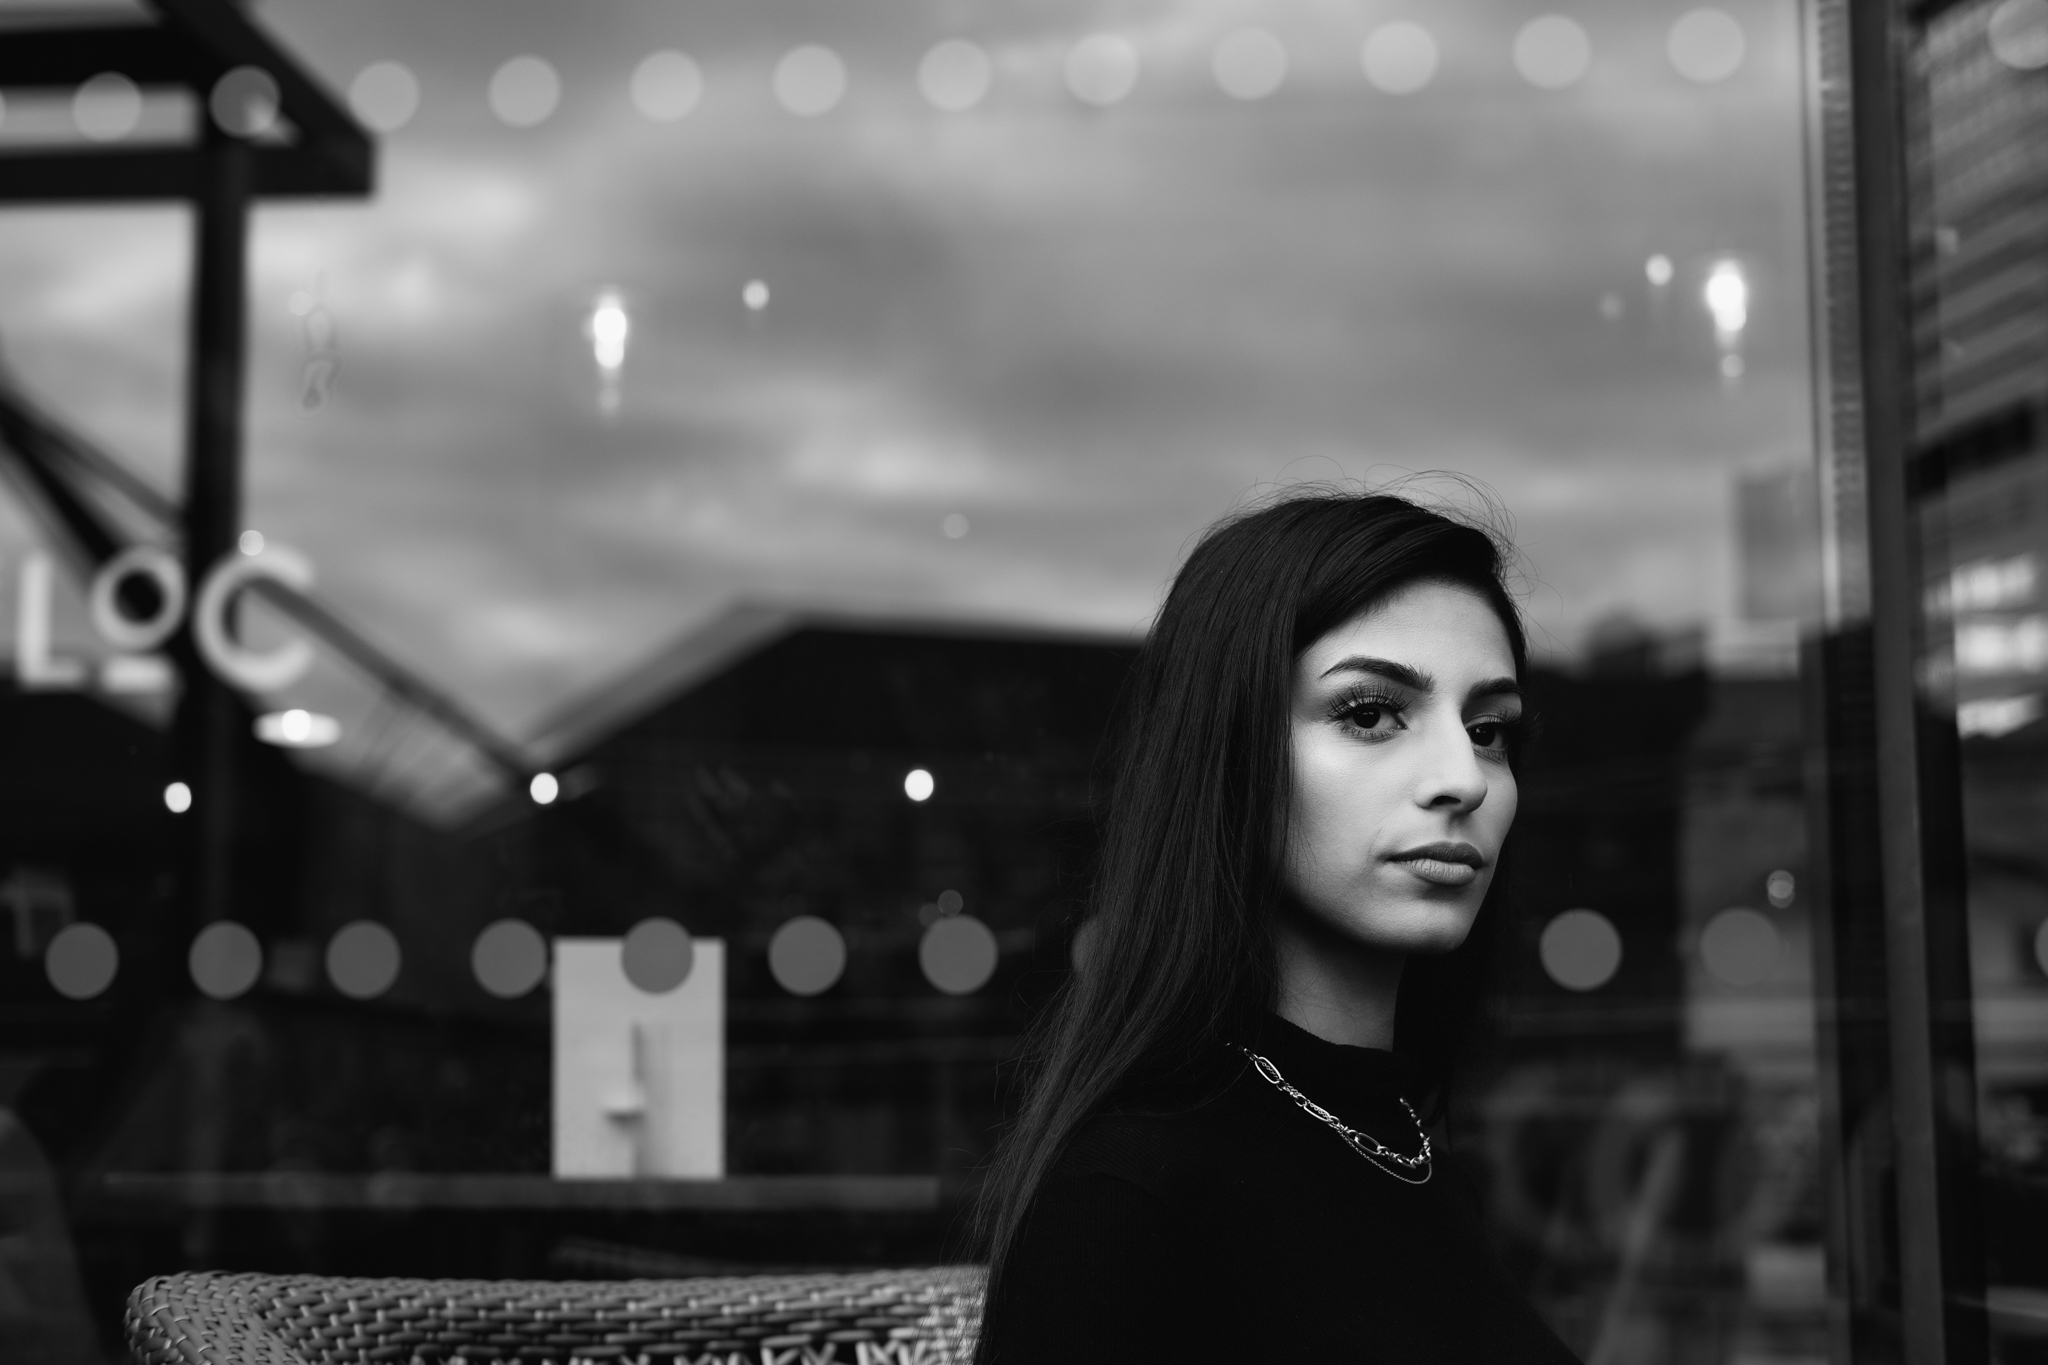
x=739 y=448
x=1978 y=470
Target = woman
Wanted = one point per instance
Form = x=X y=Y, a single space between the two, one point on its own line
x=1219 y=1157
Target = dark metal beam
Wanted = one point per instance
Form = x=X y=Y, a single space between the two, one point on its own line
x=197 y=42
x=174 y=173
x=85 y=530
x=209 y=715
x=225 y=32
x=148 y=54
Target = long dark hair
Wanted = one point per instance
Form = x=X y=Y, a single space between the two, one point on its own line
x=1180 y=955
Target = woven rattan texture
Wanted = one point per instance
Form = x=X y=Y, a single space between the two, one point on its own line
x=888 y=1317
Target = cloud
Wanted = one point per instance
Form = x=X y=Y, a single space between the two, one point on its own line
x=1090 y=331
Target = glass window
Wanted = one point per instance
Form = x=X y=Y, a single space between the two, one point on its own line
x=1980 y=341
x=700 y=505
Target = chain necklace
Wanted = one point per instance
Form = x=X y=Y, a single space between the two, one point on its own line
x=1402 y=1168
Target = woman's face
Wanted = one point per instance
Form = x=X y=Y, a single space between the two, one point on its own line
x=1402 y=793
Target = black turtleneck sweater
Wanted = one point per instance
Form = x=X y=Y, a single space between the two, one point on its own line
x=1235 y=1227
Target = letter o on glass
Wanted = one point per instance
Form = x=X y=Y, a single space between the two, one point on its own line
x=117 y=628
x=248 y=669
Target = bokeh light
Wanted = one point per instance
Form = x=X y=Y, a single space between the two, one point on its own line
x=955 y=75
x=1781 y=886
x=384 y=96
x=524 y=92
x=1740 y=947
x=666 y=86
x=245 y=102
x=1102 y=69
x=657 y=955
x=1400 y=58
x=106 y=108
x=954 y=526
x=225 y=959
x=363 y=959
x=298 y=728
x=1580 y=950
x=958 y=954
x=509 y=958
x=177 y=798
x=755 y=295
x=919 y=785
x=2018 y=34
x=1552 y=52
x=810 y=80
x=1249 y=64
x=81 y=961
x=544 y=788
x=609 y=327
x=1726 y=295
x=807 y=956
x=1706 y=45
x=250 y=542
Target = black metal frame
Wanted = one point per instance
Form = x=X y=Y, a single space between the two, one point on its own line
x=195 y=44
x=1891 y=940
x=323 y=151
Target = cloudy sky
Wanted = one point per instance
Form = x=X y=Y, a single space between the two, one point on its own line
x=1087 y=330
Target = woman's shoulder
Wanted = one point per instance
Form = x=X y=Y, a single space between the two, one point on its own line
x=1160 y=1145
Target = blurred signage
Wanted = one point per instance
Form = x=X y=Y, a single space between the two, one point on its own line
x=639 y=1076
x=136 y=601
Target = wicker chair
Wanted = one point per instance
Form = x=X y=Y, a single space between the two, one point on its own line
x=888 y=1317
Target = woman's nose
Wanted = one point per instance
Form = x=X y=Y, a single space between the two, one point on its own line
x=1452 y=775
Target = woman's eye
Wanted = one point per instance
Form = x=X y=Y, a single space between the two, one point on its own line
x=1369 y=716
x=1489 y=734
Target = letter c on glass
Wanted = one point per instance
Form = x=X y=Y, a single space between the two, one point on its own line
x=248 y=669
x=117 y=628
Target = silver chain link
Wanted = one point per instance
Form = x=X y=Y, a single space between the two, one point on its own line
x=1367 y=1146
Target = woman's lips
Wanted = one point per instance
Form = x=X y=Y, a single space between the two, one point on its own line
x=1444 y=864
x=1442 y=873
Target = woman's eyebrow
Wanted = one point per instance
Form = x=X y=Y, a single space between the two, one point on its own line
x=1385 y=668
x=1495 y=687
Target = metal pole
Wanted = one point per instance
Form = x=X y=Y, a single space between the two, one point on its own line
x=209 y=714
x=1919 y=834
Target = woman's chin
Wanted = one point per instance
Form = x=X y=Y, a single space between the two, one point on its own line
x=1391 y=923
x=1436 y=945
x=1427 y=929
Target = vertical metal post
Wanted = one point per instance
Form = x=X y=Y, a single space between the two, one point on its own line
x=1859 y=1166
x=209 y=714
x=1933 y=1089
x=1852 y=1036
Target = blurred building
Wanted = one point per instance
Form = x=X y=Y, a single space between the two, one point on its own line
x=1978 y=149
x=1980 y=155
x=753 y=774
